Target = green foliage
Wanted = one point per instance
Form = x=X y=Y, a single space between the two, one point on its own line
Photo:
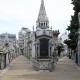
x=67 y=42
x=54 y=54
x=60 y=49
x=73 y=27
x=71 y=44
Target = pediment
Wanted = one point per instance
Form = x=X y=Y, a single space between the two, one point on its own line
x=43 y=36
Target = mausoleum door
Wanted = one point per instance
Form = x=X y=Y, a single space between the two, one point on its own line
x=4 y=60
x=44 y=48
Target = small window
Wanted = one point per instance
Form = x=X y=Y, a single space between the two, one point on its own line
x=44 y=24
x=41 y=24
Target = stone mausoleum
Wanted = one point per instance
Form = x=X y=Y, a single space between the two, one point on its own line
x=44 y=40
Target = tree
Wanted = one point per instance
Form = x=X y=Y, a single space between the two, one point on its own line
x=60 y=49
x=73 y=27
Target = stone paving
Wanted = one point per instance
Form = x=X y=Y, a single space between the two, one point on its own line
x=21 y=69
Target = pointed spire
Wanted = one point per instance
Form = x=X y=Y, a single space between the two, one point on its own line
x=42 y=2
x=42 y=13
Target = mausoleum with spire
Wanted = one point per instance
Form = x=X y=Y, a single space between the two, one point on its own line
x=44 y=39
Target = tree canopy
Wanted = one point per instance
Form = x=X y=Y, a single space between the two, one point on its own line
x=60 y=48
x=73 y=27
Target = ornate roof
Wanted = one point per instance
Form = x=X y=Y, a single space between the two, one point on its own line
x=42 y=16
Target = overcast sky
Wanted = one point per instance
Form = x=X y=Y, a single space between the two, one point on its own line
x=15 y=14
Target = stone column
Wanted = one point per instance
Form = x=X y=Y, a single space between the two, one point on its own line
x=79 y=52
x=79 y=41
x=2 y=65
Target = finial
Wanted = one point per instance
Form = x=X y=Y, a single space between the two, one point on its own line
x=51 y=27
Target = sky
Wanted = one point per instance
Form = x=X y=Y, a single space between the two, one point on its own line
x=15 y=14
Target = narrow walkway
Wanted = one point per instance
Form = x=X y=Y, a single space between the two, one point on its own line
x=21 y=69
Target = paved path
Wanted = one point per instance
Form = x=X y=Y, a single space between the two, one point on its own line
x=21 y=69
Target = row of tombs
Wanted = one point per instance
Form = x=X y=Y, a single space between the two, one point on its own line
x=43 y=43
